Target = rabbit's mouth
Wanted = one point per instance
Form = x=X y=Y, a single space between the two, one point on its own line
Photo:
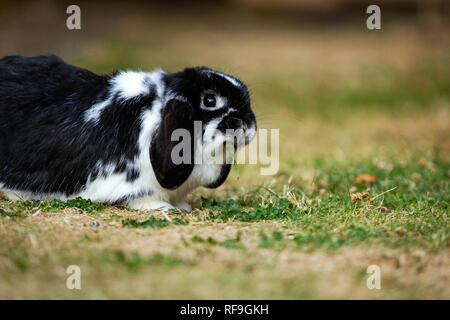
x=240 y=137
x=237 y=131
x=228 y=133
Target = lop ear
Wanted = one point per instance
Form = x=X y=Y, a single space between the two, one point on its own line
x=170 y=174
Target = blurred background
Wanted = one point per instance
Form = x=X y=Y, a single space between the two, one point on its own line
x=347 y=101
x=315 y=71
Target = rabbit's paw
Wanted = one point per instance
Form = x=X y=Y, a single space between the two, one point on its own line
x=142 y=204
x=183 y=206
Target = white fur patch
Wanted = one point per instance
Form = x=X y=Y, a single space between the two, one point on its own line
x=108 y=185
x=126 y=85
x=130 y=84
x=231 y=79
x=171 y=96
x=94 y=113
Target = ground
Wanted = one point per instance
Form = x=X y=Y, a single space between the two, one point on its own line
x=363 y=180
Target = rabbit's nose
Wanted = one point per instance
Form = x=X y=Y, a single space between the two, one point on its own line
x=235 y=123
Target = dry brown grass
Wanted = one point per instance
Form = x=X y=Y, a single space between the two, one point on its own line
x=50 y=241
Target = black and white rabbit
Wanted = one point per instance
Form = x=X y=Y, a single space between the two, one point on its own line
x=66 y=132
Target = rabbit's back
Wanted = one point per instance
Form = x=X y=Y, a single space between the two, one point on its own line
x=32 y=84
x=44 y=91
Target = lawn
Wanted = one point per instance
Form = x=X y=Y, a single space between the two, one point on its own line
x=363 y=178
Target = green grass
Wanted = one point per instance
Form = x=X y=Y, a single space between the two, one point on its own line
x=136 y=260
x=229 y=243
x=10 y=211
x=413 y=213
x=84 y=205
x=152 y=223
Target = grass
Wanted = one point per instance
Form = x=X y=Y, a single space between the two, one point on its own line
x=363 y=179
x=412 y=213
x=319 y=219
x=152 y=223
x=84 y=205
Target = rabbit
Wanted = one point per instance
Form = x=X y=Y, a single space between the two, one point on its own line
x=66 y=132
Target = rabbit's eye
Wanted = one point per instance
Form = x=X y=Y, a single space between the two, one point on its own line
x=209 y=101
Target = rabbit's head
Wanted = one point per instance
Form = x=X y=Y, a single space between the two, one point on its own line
x=214 y=109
